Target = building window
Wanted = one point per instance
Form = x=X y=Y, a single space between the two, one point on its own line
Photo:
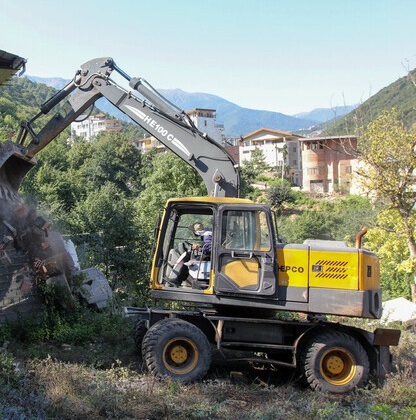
x=315 y=145
x=320 y=170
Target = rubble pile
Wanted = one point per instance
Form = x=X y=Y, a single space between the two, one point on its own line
x=32 y=255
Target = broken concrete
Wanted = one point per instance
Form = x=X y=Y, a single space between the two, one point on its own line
x=398 y=310
x=95 y=288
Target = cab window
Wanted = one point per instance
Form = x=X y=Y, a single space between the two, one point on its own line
x=247 y=230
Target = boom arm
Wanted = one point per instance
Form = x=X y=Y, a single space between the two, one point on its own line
x=154 y=113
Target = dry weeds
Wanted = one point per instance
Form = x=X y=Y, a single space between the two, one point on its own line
x=47 y=382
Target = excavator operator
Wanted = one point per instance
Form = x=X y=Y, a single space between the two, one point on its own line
x=206 y=237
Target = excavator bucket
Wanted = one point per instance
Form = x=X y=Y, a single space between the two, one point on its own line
x=10 y=64
x=13 y=168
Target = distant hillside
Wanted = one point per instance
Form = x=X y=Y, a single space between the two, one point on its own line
x=237 y=120
x=400 y=94
x=324 y=115
x=55 y=82
x=21 y=99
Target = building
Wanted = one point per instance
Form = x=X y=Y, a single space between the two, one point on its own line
x=91 y=126
x=148 y=143
x=329 y=163
x=205 y=120
x=281 y=150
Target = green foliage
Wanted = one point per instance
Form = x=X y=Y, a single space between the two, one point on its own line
x=253 y=168
x=114 y=160
x=339 y=219
x=308 y=225
x=388 y=154
x=387 y=240
x=82 y=325
x=131 y=131
x=89 y=191
x=280 y=192
x=387 y=150
x=6 y=367
x=19 y=101
x=164 y=175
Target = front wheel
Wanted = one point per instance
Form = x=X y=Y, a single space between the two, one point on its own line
x=335 y=362
x=177 y=349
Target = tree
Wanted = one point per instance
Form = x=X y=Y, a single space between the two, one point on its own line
x=255 y=166
x=108 y=227
x=279 y=193
x=313 y=224
x=117 y=161
x=388 y=154
x=338 y=220
x=392 y=249
x=165 y=176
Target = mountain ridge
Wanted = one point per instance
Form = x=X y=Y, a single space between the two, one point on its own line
x=400 y=94
x=238 y=121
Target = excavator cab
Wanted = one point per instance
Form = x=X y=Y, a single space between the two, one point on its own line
x=239 y=235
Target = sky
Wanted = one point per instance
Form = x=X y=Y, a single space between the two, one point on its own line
x=287 y=56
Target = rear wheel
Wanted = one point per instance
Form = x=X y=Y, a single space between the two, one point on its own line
x=177 y=349
x=335 y=362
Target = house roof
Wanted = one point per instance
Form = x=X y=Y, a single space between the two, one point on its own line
x=328 y=138
x=200 y=109
x=9 y=65
x=271 y=134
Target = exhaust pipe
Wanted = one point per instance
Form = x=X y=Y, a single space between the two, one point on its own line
x=359 y=237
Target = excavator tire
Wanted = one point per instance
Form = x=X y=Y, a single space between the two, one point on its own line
x=139 y=331
x=334 y=362
x=177 y=349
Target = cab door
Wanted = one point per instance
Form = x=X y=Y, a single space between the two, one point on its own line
x=245 y=253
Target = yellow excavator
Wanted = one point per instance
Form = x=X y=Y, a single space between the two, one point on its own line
x=233 y=275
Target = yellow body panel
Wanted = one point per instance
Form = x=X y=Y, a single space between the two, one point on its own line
x=292 y=267
x=334 y=269
x=369 y=271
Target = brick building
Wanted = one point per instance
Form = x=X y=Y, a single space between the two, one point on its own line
x=329 y=163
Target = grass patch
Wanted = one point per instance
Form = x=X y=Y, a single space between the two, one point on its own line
x=89 y=369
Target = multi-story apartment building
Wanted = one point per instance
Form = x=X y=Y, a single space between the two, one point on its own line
x=148 y=143
x=281 y=150
x=329 y=164
x=91 y=126
x=205 y=120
